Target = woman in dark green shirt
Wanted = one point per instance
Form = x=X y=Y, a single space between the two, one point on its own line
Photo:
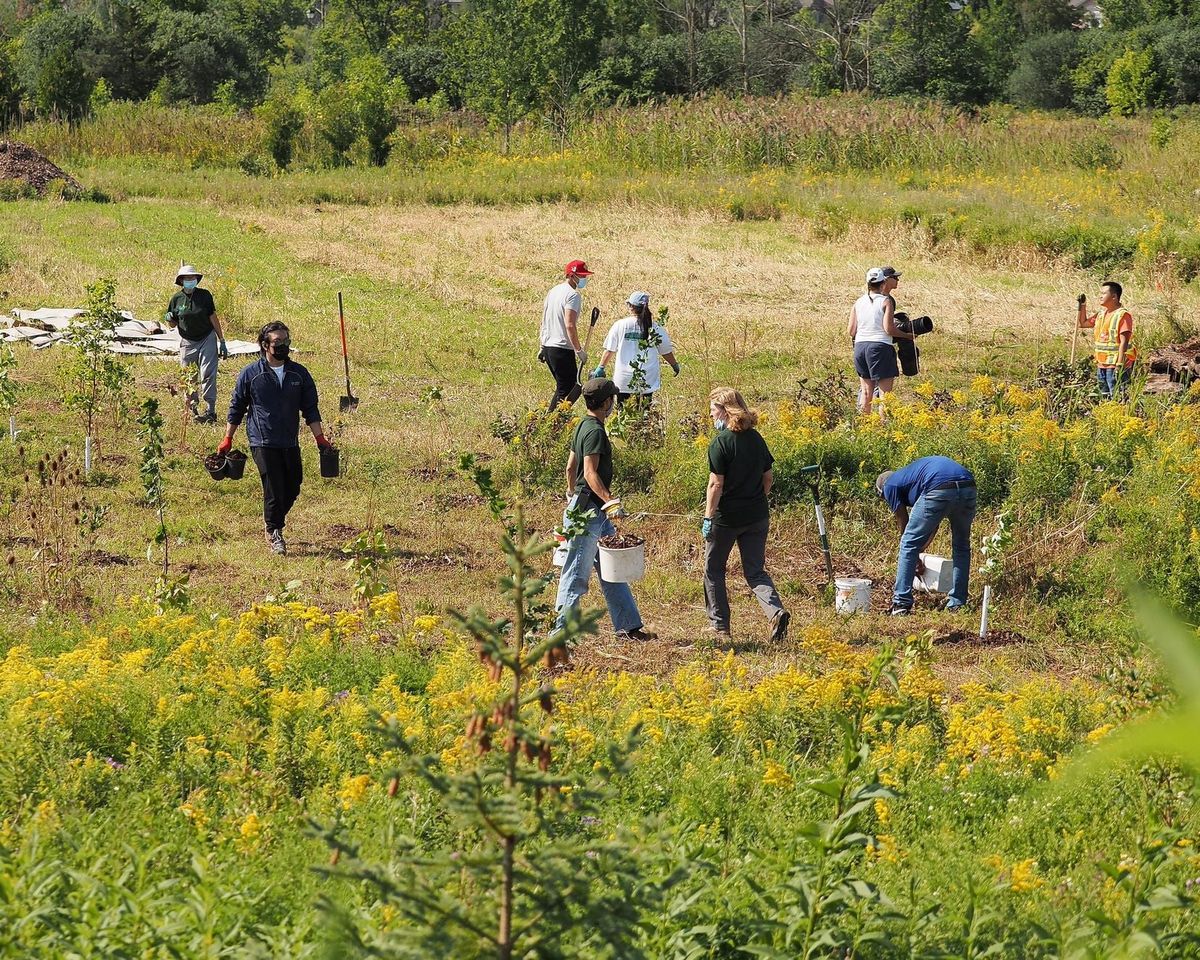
x=736 y=511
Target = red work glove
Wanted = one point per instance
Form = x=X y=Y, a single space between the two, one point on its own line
x=225 y=445
x=322 y=441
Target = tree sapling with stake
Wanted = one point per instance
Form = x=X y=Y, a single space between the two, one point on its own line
x=167 y=591
x=9 y=388
x=94 y=378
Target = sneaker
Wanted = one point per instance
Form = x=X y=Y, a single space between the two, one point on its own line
x=779 y=626
x=207 y=418
x=275 y=539
x=639 y=635
x=900 y=612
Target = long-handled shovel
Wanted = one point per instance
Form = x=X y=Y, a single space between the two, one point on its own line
x=1075 y=335
x=349 y=402
x=587 y=342
x=812 y=475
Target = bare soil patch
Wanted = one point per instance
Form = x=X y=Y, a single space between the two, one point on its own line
x=994 y=638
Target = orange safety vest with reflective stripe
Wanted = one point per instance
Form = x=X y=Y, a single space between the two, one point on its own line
x=1108 y=344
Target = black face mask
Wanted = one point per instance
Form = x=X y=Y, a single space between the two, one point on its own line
x=280 y=351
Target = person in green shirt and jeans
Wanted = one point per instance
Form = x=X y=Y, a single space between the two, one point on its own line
x=589 y=490
x=201 y=340
x=736 y=512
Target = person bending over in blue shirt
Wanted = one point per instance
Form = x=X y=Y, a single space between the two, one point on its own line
x=921 y=495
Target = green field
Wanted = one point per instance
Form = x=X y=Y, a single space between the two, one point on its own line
x=161 y=764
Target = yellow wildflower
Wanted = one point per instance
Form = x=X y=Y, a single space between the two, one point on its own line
x=776 y=776
x=354 y=789
x=1023 y=877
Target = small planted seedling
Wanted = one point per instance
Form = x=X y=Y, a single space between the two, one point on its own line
x=9 y=388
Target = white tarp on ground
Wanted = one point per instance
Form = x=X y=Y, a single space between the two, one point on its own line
x=45 y=327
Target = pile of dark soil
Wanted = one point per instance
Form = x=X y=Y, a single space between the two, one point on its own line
x=1173 y=367
x=621 y=540
x=23 y=164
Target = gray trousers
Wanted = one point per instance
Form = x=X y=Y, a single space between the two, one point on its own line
x=752 y=547
x=203 y=353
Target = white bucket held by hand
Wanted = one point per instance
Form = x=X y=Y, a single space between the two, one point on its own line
x=938 y=576
x=623 y=564
x=853 y=595
x=561 y=544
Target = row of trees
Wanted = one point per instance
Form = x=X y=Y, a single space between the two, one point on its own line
x=353 y=64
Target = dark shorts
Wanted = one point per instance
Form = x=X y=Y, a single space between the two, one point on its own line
x=875 y=361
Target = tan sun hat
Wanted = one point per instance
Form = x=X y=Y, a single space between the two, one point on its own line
x=187 y=270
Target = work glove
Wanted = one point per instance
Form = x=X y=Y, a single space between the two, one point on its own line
x=581 y=356
x=225 y=445
x=706 y=526
x=599 y=372
x=323 y=441
x=613 y=509
x=222 y=350
x=169 y=318
x=675 y=367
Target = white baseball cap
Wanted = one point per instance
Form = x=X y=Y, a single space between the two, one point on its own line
x=876 y=275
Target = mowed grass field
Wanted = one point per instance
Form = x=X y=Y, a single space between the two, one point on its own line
x=443 y=306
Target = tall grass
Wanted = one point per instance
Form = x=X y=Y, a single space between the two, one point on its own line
x=191 y=137
x=831 y=134
x=1105 y=195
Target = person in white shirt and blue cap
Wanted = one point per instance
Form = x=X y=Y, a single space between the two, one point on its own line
x=636 y=344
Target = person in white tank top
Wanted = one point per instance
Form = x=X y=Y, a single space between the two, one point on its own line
x=873 y=330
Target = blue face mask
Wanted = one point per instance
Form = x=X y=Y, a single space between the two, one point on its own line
x=190 y=285
x=580 y=282
x=719 y=424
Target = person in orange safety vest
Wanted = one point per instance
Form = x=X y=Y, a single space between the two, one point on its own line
x=1115 y=351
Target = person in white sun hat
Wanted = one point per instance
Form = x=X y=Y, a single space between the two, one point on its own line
x=201 y=340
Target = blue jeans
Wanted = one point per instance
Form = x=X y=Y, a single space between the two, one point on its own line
x=958 y=506
x=583 y=553
x=1110 y=377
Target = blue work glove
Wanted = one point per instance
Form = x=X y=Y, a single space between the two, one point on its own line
x=598 y=372
x=675 y=367
x=706 y=526
x=222 y=350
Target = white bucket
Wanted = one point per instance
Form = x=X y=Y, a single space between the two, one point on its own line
x=560 y=550
x=853 y=595
x=624 y=565
x=938 y=576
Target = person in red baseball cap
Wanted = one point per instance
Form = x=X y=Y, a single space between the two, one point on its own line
x=561 y=349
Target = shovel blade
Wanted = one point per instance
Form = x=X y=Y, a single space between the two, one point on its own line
x=347 y=404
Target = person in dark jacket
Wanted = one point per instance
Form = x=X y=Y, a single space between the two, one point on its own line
x=275 y=392
x=201 y=340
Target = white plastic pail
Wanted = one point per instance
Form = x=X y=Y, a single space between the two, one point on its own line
x=624 y=565
x=560 y=550
x=853 y=595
